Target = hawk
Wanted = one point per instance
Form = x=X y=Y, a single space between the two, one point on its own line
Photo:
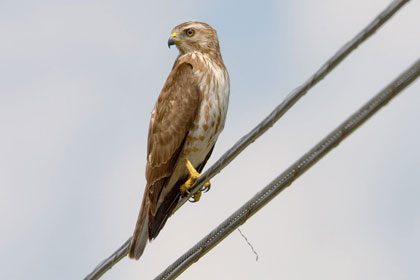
x=187 y=118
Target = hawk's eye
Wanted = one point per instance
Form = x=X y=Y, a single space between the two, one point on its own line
x=190 y=32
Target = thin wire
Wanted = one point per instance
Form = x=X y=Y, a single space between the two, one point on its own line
x=249 y=244
x=269 y=121
x=241 y=215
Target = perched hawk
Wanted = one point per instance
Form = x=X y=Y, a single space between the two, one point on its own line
x=185 y=123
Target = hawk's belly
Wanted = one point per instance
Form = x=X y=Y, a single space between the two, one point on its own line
x=210 y=119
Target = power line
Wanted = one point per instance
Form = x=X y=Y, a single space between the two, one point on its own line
x=269 y=121
x=241 y=215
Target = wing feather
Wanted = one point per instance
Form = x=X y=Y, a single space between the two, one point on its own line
x=172 y=118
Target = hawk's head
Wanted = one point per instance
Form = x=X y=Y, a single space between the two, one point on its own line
x=194 y=36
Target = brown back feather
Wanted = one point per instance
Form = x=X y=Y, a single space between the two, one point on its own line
x=173 y=117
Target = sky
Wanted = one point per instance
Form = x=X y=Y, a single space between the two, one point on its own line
x=78 y=83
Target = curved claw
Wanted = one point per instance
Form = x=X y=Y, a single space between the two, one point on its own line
x=184 y=190
x=196 y=197
x=206 y=187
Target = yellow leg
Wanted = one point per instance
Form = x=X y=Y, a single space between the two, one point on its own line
x=193 y=175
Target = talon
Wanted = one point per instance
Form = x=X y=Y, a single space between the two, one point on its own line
x=196 y=197
x=185 y=188
x=206 y=187
x=193 y=175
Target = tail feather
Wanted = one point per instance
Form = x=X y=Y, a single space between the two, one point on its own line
x=140 y=235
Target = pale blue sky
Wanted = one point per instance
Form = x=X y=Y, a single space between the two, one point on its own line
x=80 y=78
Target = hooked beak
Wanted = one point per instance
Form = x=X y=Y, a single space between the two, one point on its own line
x=172 y=40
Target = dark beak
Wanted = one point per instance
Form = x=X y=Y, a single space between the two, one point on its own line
x=171 y=41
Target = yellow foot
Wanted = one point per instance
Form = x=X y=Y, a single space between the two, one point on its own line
x=193 y=175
